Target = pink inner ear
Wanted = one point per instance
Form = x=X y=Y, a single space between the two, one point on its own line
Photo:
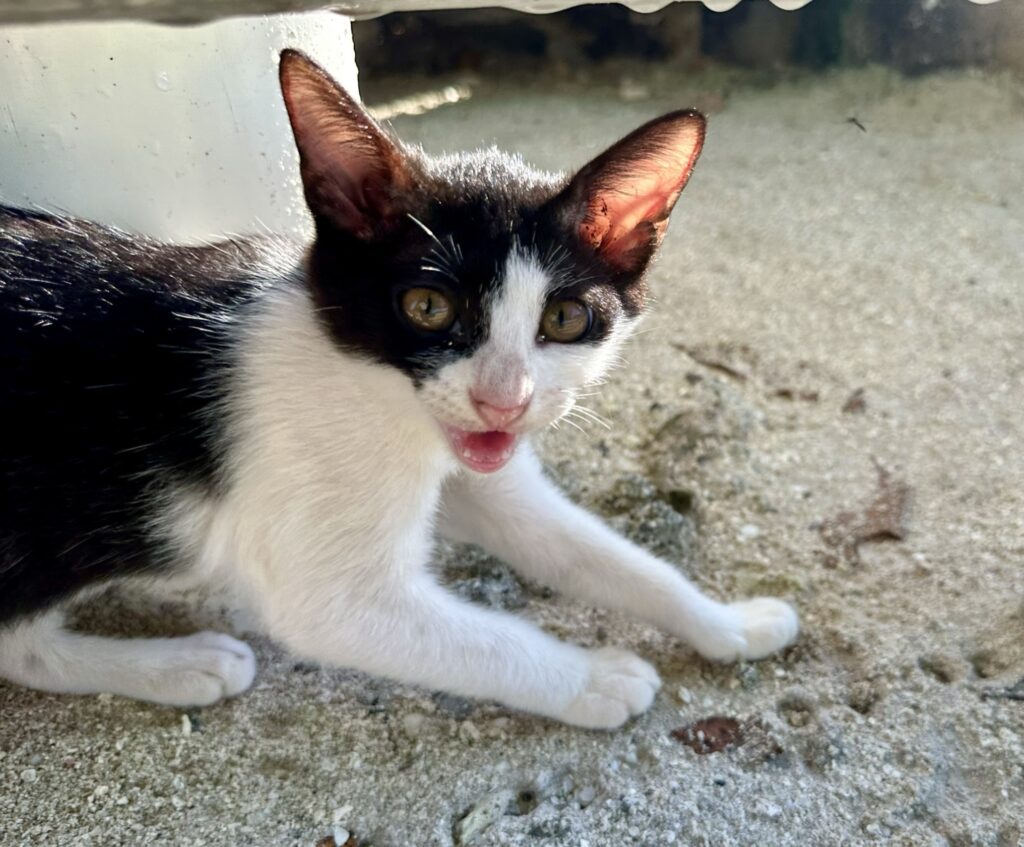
x=351 y=170
x=641 y=190
x=613 y=214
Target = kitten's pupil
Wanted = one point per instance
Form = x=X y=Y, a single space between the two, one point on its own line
x=565 y=321
x=428 y=309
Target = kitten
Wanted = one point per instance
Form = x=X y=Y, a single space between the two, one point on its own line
x=299 y=423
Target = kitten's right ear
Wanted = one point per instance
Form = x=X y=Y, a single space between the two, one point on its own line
x=353 y=173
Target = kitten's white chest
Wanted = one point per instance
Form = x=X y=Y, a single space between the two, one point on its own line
x=334 y=469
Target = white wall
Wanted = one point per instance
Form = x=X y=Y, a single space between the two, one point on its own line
x=177 y=132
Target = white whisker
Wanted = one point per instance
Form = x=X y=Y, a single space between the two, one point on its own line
x=443 y=271
x=568 y=419
x=425 y=228
x=590 y=414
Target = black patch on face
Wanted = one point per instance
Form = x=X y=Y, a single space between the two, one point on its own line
x=111 y=379
x=465 y=216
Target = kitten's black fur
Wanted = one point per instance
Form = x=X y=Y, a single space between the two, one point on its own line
x=113 y=354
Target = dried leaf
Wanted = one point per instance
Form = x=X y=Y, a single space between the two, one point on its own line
x=883 y=518
x=722 y=358
x=787 y=393
x=855 y=404
x=710 y=735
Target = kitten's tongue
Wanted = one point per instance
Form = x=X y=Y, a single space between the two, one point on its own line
x=483 y=452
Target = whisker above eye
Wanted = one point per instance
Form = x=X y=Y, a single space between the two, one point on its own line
x=425 y=228
x=456 y=249
x=444 y=254
x=443 y=271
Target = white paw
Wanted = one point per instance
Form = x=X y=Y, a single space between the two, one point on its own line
x=619 y=685
x=196 y=670
x=749 y=629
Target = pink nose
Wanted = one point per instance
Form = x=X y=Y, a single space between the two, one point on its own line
x=499 y=417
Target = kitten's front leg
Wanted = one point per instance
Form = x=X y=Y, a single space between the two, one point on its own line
x=524 y=519
x=414 y=631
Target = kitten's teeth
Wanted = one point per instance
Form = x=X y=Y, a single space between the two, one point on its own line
x=467 y=454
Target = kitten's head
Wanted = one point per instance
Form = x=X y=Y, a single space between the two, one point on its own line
x=499 y=291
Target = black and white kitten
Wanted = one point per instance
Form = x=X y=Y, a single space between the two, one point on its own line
x=298 y=423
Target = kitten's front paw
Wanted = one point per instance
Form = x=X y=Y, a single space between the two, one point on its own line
x=768 y=625
x=749 y=629
x=620 y=685
x=195 y=670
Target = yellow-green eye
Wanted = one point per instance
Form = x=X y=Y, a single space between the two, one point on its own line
x=428 y=309
x=565 y=321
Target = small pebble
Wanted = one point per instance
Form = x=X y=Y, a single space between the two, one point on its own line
x=748 y=532
x=29 y=775
x=469 y=732
x=412 y=724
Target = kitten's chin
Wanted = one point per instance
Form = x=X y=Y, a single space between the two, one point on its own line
x=483 y=452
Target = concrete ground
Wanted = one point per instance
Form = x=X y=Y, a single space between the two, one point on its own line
x=830 y=296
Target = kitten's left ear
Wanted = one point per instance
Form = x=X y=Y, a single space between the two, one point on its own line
x=353 y=172
x=619 y=203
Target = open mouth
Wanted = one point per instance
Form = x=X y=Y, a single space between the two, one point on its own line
x=484 y=452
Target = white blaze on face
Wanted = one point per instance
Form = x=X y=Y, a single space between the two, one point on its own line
x=511 y=366
x=505 y=364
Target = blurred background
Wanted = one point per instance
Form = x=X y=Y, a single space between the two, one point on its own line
x=913 y=36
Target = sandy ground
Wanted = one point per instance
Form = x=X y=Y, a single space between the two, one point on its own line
x=808 y=259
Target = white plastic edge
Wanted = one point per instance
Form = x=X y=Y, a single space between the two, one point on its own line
x=373 y=8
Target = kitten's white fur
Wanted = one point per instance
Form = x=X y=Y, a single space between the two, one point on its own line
x=339 y=476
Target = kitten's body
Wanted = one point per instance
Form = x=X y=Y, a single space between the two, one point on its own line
x=261 y=418
x=115 y=353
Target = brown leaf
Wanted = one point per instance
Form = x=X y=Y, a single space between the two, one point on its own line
x=724 y=358
x=883 y=518
x=855 y=404
x=787 y=393
x=710 y=735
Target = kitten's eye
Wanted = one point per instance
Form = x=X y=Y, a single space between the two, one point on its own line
x=428 y=309
x=565 y=321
